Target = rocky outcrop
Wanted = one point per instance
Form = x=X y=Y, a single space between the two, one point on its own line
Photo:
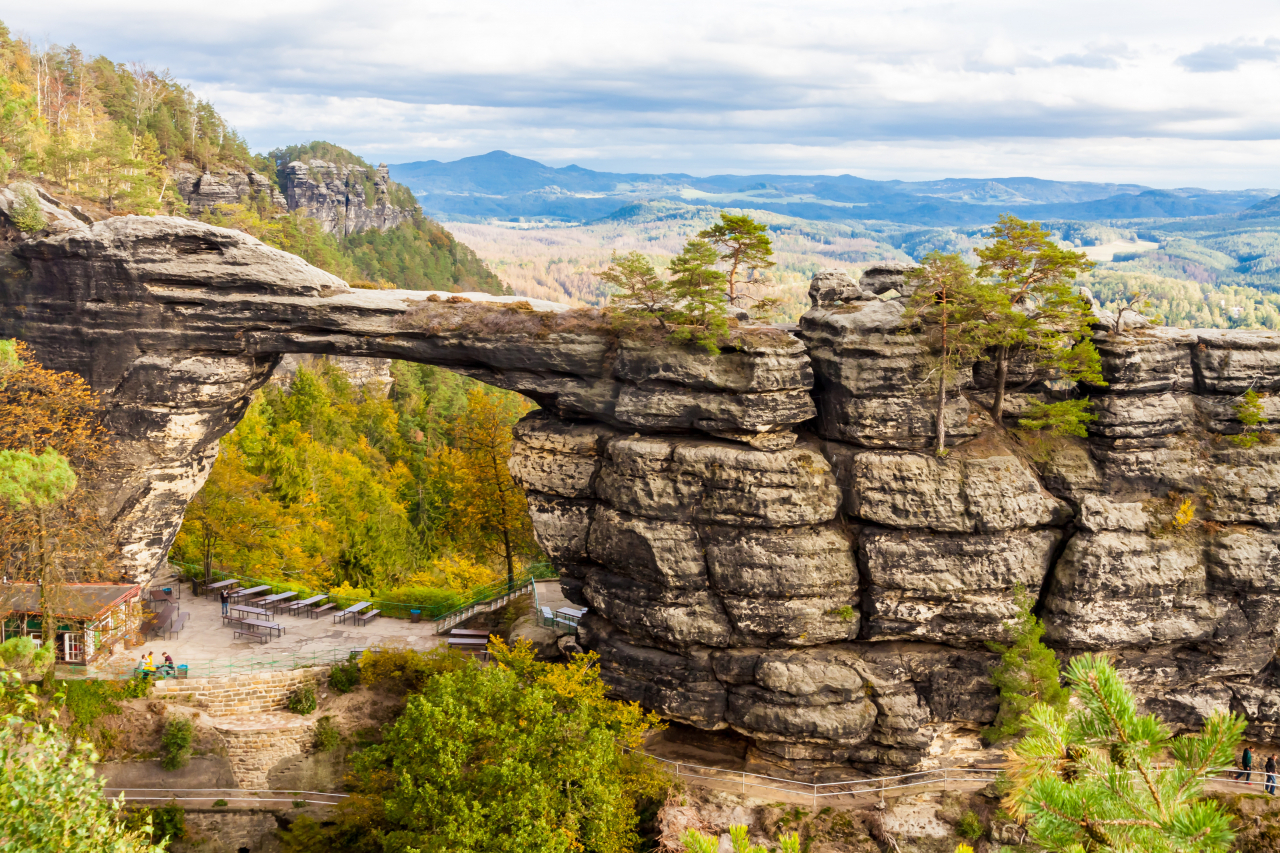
x=203 y=190
x=344 y=199
x=762 y=543
x=177 y=323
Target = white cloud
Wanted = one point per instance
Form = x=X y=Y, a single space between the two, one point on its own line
x=1104 y=90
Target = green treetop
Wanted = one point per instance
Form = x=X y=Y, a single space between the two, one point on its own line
x=697 y=293
x=743 y=244
x=951 y=309
x=639 y=291
x=31 y=482
x=1104 y=778
x=52 y=798
x=1027 y=673
x=1046 y=319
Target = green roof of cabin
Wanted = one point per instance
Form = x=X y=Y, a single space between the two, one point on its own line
x=72 y=601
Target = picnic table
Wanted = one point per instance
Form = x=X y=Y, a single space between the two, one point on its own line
x=341 y=615
x=470 y=645
x=160 y=595
x=245 y=593
x=279 y=598
x=160 y=622
x=468 y=632
x=571 y=614
x=220 y=585
x=301 y=606
x=244 y=608
x=270 y=626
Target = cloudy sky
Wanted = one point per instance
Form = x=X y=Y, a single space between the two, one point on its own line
x=1169 y=93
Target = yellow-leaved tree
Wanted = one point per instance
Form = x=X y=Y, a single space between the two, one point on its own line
x=493 y=514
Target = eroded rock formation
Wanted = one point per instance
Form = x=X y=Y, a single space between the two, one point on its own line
x=763 y=541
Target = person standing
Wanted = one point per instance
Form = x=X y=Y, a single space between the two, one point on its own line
x=1271 y=775
x=1246 y=766
x=225 y=598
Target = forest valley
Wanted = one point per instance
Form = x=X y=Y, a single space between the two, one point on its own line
x=402 y=498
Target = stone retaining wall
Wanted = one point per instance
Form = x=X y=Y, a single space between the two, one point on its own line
x=239 y=694
x=258 y=742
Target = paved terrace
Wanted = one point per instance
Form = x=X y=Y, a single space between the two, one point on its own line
x=208 y=647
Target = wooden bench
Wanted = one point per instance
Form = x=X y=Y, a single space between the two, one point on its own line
x=316 y=611
x=253 y=635
x=366 y=618
x=176 y=626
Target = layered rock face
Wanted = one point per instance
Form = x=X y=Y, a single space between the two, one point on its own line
x=202 y=191
x=763 y=540
x=832 y=601
x=176 y=323
x=344 y=199
x=338 y=196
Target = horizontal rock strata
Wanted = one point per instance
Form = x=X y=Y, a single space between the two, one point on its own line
x=763 y=539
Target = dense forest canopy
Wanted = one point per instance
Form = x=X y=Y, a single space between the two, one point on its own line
x=331 y=486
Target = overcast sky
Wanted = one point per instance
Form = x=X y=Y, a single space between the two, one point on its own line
x=1170 y=93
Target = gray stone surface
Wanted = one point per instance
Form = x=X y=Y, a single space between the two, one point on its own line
x=761 y=541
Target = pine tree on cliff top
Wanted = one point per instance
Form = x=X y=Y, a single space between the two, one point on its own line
x=1100 y=778
x=1046 y=319
x=951 y=310
x=1027 y=673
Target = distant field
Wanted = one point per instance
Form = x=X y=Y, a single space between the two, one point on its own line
x=562 y=263
x=1107 y=251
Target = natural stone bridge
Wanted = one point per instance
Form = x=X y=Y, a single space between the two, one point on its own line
x=762 y=542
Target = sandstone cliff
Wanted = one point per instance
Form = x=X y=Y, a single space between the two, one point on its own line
x=762 y=542
x=344 y=199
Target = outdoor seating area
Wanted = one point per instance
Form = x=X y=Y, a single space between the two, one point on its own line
x=165 y=619
x=564 y=619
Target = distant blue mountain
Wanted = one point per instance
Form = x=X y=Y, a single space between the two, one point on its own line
x=499 y=185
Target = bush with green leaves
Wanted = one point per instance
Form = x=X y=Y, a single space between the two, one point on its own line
x=327 y=737
x=344 y=677
x=1104 y=777
x=303 y=699
x=176 y=743
x=26 y=213
x=970 y=826
x=517 y=757
x=52 y=798
x=697 y=842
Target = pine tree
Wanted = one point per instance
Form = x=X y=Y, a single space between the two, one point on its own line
x=744 y=244
x=640 y=291
x=696 y=288
x=1027 y=673
x=1104 y=778
x=1249 y=412
x=1045 y=318
x=951 y=309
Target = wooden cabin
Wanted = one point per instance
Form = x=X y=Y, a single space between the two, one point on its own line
x=92 y=617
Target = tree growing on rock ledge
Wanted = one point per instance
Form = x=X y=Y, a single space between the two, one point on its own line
x=1027 y=674
x=952 y=310
x=1100 y=779
x=744 y=244
x=1045 y=319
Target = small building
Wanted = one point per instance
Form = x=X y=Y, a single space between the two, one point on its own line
x=92 y=617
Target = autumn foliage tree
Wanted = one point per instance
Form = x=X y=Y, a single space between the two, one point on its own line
x=494 y=512
x=50 y=424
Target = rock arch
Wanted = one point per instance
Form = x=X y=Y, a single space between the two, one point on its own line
x=763 y=545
